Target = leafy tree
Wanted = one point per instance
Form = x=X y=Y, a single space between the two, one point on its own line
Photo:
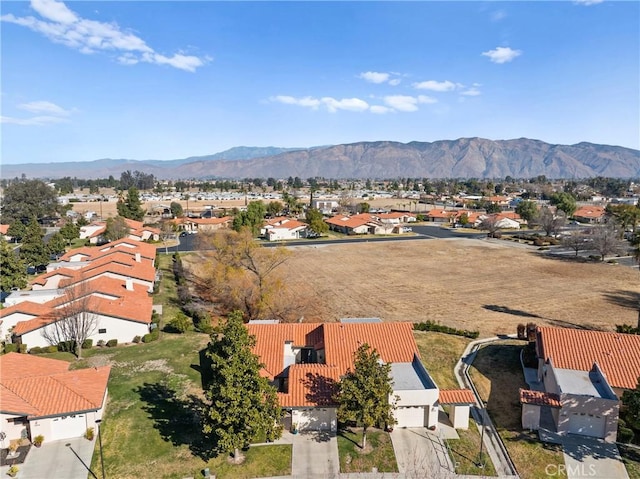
x=364 y=393
x=243 y=406
x=364 y=207
x=116 y=229
x=17 y=230
x=274 y=208
x=631 y=400
x=25 y=199
x=624 y=215
x=252 y=219
x=316 y=222
x=528 y=210
x=176 y=209
x=56 y=243
x=69 y=232
x=564 y=202
x=464 y=219
x=12 y=267
x=33 y=250
x=131 y=206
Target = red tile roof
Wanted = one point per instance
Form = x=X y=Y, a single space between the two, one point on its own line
x=40 y=387
x=618 y=355
x=393 y=341
x=4 y=229
x=539 y=398
x=350 y=221
x=456 y=396
x=25 y=307
x=589 y=212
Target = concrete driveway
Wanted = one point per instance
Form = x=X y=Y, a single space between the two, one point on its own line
x=315 y=456
x=420 y=453
x=592 y=458
x=55 y=459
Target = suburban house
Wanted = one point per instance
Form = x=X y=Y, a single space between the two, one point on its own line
x=283 y=228
x=441 y=216
x=368 y=223
x=589 y=214
x=137 y=231
x=502 y=220
x=42 y=397
x=120 y=310
x=584 y=374
x=305 y=361
x=202 y=224
x=325 y=206
x=126 y=245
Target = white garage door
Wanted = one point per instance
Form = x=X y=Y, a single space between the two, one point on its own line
x=66 y=427
x=586 y=425
x=410 y=416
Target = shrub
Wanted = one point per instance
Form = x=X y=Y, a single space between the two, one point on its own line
x=137 y=339
x=36 y=350
x=433 y=326
x=66 y=346
x=13 y=470
x=538 y=242
x=100 y=343
x=180 y=323
x=23 y=348
x=51 y=349
x=89 y=434
x=152 y=336
x=10 y=348
x=87 y=344
x=38 y=440
x=625 y=434
x=112 y=343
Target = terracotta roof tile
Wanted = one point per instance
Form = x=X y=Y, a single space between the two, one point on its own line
x=310 y=385
x=4 y=229
x=589 y=211
x=539 y=398
x=456 y=396
x=44 y=387
x=618 y=355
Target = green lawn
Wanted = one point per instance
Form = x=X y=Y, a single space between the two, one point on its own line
x=631 y=459
x=497 y=374
x=465 y=453
x=379 y=452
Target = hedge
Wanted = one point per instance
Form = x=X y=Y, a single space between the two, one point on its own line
x=112 y=343
x=440 y=328
x=10 y=348
x=87 y=344
x=152 y=336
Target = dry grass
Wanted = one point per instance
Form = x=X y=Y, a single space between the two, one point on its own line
x=461 y=283
x=440 y=353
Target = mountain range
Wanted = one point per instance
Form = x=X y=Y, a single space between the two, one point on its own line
x=462 y=158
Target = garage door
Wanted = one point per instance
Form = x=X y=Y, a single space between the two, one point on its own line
x=410 y=416
x=315 y=419
x=586 y=425
x=66 y=427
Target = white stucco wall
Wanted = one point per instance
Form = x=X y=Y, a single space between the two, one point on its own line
x=11 y=320
x=12 y=429
x=122 y=330
x=460 y=416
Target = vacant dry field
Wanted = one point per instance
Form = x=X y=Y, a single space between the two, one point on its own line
x=471 y=284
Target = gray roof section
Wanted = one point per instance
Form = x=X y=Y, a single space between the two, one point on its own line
x=583 y=383
x=410 y=377
x=360 y=320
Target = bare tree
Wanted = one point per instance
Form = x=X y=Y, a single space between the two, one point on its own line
x=166 y=233
x=490 y=224
x=74 y=319
x=577 y=241
x=606 y=240
x=551 y=222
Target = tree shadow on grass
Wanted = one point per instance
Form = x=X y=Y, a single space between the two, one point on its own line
x=178 y=420
x=625 y=299
x=507 y=310
x=204 y=368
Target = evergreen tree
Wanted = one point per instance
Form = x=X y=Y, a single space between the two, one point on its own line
x=27 y=198
x=116 y=229
x=69 y=232
x=56 y=243
x=631 y=401
x=12 y=267
x=364 y=392
x=253 y=218
x=243 y=405
x=316 y=222
x=131 y=206
x=528 y=210
x=33 y=250
x=17 y=230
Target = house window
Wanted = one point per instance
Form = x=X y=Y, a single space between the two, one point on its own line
x=102 y=331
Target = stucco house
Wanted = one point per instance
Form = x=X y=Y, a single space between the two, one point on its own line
x=584 y=374
x=283 y=228
x=41 y=396
x=305 y=361
x=589 y=214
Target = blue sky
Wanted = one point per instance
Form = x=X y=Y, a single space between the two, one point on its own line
x=173 y=79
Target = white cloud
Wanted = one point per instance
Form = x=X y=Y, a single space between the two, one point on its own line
x=381 y=110
x=426 y=99
x=374 y=77
x=502 y=54
x=434 y=85
x=350 y=104
x=45 y=107
x=473 y=91
x=61 y=25
x=407 y=103
x=498 y=15
x=379 y=77
x=33 y=121
x=587 y=2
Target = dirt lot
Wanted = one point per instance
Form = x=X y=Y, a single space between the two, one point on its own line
x=469 y=284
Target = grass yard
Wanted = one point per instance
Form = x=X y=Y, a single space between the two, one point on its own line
x=167 y=294
x=465 y=453
x=352 y=459
x=497 y=374
x=631 y=459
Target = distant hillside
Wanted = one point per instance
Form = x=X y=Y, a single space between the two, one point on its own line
x=462 y=158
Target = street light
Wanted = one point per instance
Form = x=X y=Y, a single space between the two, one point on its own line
x=483 y=419
x=98 y=421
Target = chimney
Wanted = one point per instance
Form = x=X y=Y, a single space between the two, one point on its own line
x=128 y=284
x=137 y=257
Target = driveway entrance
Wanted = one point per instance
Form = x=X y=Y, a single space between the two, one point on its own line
x=592 y=458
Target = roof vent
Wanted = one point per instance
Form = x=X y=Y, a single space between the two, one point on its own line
x=128 y=284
